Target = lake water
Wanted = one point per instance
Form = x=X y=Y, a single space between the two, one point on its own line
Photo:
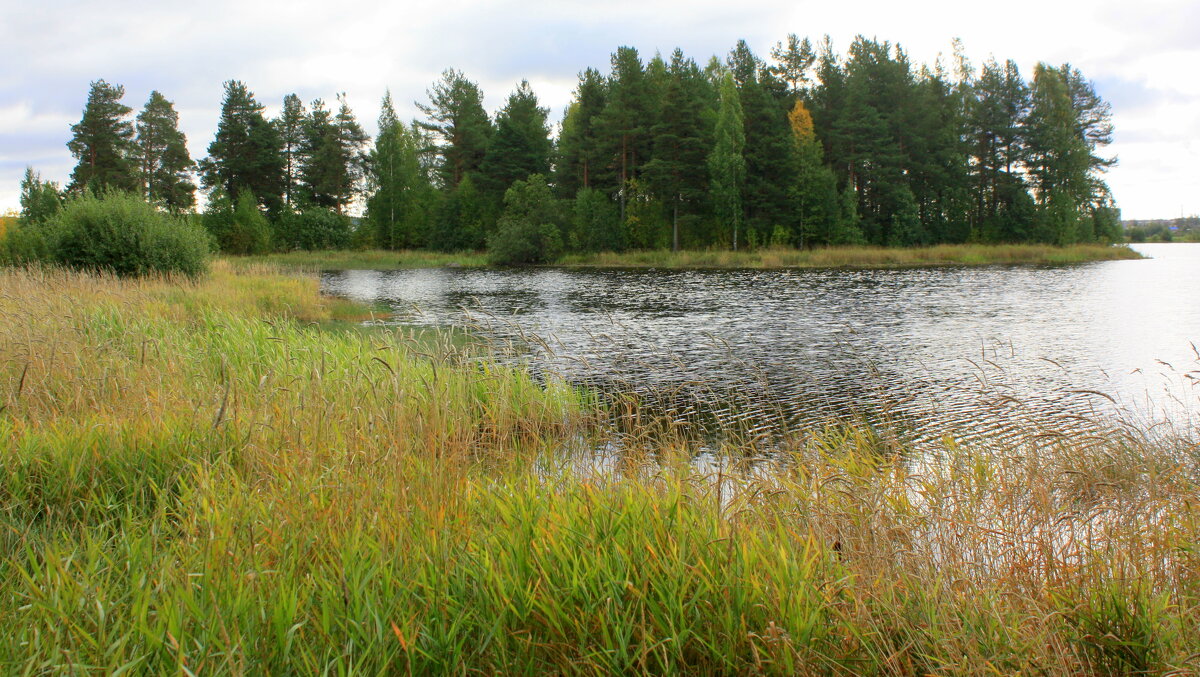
x=975 y=348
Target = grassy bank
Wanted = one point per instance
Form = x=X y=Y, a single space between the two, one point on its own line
x=856 y=257
x=364 y=260
x=198 y=480
x=836 y=257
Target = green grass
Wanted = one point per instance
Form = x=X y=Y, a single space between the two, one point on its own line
x=199 y=479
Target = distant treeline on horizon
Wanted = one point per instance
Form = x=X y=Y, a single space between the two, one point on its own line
x=806 y=148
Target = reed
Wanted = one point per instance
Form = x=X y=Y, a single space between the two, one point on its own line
x=369 y=259
x=857 y=257
x=200 y=479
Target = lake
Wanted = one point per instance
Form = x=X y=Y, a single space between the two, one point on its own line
x=976 y=349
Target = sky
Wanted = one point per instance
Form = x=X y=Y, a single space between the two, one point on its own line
x=1142 y=57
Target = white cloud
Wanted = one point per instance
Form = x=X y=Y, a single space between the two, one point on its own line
x=1142 y=58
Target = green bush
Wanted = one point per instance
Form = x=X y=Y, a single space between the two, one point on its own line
x=314 y=228
x=240 y=228
x=24 y=243
x=518 y=242
x=529 y=230
x=114 y=232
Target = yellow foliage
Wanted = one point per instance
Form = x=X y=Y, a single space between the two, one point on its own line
x=801 y=122
x=7 y=220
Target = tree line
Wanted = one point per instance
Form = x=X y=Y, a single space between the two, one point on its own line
x=803 y=148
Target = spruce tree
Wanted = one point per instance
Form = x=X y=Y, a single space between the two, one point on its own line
x=40 y=200
x=579 y=157
x=101 y=141
x=160 y=151
x=520 y=145
x=726 y=166
x=1059 y=158
x=680 y=142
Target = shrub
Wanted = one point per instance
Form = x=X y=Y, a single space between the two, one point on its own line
x=529 y=231
x=314 y=228
x=118 y=233
x=240 y=228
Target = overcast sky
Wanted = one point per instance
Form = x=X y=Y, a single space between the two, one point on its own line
x=1143 y=57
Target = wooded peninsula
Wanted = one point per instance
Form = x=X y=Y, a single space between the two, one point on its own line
x=804 y=149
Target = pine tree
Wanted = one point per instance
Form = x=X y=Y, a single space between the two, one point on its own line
x=101 y=141
x=793 y=62
x=246 y=153
x=1059 y=158
x=626 y=121
x=160 y=151
x=770 y=163
x=458 y=120
x=520 y=145
x=680 y=142
x=726 y=166
x=290 y=126
x=333 y=156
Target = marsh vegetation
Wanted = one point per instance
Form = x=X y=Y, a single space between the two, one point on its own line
x=199 y=479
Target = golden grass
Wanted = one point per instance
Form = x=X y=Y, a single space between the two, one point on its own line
x=197 y=480
x=364 y=260
x=856 y=257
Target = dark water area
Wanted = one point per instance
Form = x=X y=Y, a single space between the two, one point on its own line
x=978 y=350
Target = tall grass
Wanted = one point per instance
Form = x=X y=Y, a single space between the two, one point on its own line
x=857 y=257
x=199 y=480
x=370 y=259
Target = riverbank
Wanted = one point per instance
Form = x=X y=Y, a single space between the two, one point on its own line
x=199 y=478
x=834 y=257
x=857 y=257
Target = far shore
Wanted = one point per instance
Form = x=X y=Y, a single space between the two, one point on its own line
x=764 y=258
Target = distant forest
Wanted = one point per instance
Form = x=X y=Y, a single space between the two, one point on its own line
x=805 y=148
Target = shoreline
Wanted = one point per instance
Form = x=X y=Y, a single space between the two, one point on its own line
x=765 y=259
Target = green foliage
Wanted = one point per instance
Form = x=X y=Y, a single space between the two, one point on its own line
x=520 y=145
x=161 y=157
x=332 y=156
x=312 y=229
x=119 y=233
x=726 y=166
x=459 y=220
x=238 y=228
x=401 y=199
x=40 y=200
x=595 y=224
x=101 y=141
x=456 y=117
x=529 y=230
x=246 y=154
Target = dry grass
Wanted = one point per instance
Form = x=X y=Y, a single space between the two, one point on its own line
x=362 y=260
x=198 y=481
x=856 y=257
